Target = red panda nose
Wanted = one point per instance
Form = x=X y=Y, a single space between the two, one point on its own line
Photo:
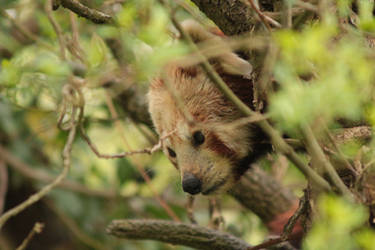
x=191 y=184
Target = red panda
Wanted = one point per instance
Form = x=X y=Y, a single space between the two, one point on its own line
x=209 y=151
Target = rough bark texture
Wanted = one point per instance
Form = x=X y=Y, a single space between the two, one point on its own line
x=233 y=17
x=176 y=233
x=263 y=195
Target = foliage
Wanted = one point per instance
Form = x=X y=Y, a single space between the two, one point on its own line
x=324 y=71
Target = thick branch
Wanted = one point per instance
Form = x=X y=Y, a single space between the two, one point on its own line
x=233 y=17
x=175 y=233
x=262 y=194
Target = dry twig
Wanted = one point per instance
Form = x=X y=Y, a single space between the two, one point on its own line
x=275 y=241
x=144 y=175
x=37 y=229
x=261 y=15
x=321 y=160
x=25 y=32
x=118 y=155
x=190 y=209
x=288 y=228
x=56 y=27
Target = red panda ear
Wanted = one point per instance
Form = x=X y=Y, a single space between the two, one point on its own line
x=228 y=62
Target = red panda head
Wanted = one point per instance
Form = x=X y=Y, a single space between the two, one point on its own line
x=209 y=151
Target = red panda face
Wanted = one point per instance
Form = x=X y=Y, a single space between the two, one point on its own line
x=208 y=151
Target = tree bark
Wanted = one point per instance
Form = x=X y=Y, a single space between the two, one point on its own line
x=233 y=17
x=263 y=194
x=176 y=233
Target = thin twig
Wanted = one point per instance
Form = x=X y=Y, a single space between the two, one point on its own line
x=261 y=15
x=288 y=14
x=275 y=241
x=45 y=190
x=289 y=226
x=262 y=89
x=144 y=175
x=175 y=233
x=274 y=135
x=24 y=31
x=318 y=155
x=74 y=46
x=216 y=218
x=37 y=229
x=189 y=209
x=307 y=6
x=3 y=184
x=56 y=27
x=40 y=175
x=118 y=155
x=338 y=150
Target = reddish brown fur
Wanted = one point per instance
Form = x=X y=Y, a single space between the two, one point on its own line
x=218 y=146
x=225 y=148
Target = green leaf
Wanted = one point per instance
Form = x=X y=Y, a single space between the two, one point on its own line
x=125 y=170
x=97 y=51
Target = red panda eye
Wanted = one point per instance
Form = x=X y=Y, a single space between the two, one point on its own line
x=171 y=152
x=198 y=138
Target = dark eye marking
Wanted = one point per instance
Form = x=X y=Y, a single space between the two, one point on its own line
x=198 y=138
x=171 y=152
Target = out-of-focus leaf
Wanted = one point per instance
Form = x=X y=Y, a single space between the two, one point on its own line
x=127 y=15
x=337 y=220
x=155 y=32
x=365 y=239
x=97 y=52
x=339 y=71
x=366 y=19
x=9 y=74
x=125 y=170
x=150 y=63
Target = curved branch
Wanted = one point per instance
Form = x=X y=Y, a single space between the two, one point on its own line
x=176 y=233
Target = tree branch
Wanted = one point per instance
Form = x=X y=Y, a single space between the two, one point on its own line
x=40 y=175
x=234 y=17
x=176 y=233
x=45 y=190
x=86 y=12
x=262 y=194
